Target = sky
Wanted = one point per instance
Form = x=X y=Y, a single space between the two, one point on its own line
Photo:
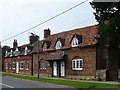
x=17 y=16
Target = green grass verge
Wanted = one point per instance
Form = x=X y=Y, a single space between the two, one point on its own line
x=75 y=84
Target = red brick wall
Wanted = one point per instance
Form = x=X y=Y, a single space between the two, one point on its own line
x=46 y=71
x=21 y=58
x=89 y=61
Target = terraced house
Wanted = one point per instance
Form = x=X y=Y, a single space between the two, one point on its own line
x=70 y=54
x=73 y=54
x=19 y=58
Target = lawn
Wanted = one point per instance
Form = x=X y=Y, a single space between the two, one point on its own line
x=75 y=84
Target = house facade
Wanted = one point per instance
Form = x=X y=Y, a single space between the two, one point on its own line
x=74 y=54
x=70 y=54
x=19 y=58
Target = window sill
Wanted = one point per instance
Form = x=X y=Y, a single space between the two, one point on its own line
x=21 y=68
x=27 y=69
x=78 y=69
x=42 y=68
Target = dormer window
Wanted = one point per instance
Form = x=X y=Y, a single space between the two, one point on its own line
x=6 y=53
x=45 y=46
x=17 y=52
x=11 y=53
x=74 y=42
x=26 y=51
x=58 y=45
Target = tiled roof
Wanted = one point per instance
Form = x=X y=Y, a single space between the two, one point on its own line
x=22 y=49
x=87 y=33
x=54 y=55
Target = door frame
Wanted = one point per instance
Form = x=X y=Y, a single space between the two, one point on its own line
x=62 y=69
x=17 y=67
x=54 y=70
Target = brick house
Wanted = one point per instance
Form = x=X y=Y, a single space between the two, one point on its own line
x=70 y=54
x=19 y=58
x=74 y=54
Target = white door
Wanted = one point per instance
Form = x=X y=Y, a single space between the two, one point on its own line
x=54 y=68
x=17 y=66
x=62 y=71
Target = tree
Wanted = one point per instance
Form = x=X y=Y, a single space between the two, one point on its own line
x=108 y=16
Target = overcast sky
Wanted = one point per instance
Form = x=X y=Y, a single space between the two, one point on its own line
x=20 y=15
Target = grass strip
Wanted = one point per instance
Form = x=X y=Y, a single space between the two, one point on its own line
x=75 y=84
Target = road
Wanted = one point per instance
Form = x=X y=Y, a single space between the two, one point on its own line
x=11 y=82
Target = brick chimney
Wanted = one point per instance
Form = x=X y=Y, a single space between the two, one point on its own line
x=15 y=44
x=47 y=33
x=33 y=38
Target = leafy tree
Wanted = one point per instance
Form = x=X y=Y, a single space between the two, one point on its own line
x=108 y=16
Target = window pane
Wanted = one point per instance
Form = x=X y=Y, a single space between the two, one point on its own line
x=77 y=64
x=43 y=65
x=26 y=64
x=81 y=64
x=74 y=42
x=73 y=64
x=21 y=65
x=13 y=65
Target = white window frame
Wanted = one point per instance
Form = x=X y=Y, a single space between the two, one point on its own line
x=21 y=68
x=45 y=46
x=58 y=45
x=26 y=51
x=6 y=53
x=17 y=51
x=14 y=64
x=80 y=64
x=27 y=65
x=6 y=65
x=74 y=42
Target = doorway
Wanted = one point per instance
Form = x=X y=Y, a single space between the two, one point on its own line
x=62 y=68
x=17 y=67
x=54 y=68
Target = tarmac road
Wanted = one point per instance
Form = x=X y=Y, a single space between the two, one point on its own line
x=11 y=82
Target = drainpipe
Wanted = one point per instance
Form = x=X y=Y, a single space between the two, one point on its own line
x=38 y=58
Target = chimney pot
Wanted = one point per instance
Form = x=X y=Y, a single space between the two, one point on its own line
x=47 y=33
x=15 y=44
x=33 y=38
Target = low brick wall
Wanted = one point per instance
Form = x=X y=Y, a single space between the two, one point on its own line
x=77 y=77
x=101 y=74
x=45 y=75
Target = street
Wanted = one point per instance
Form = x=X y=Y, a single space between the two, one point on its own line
x=11 y=82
